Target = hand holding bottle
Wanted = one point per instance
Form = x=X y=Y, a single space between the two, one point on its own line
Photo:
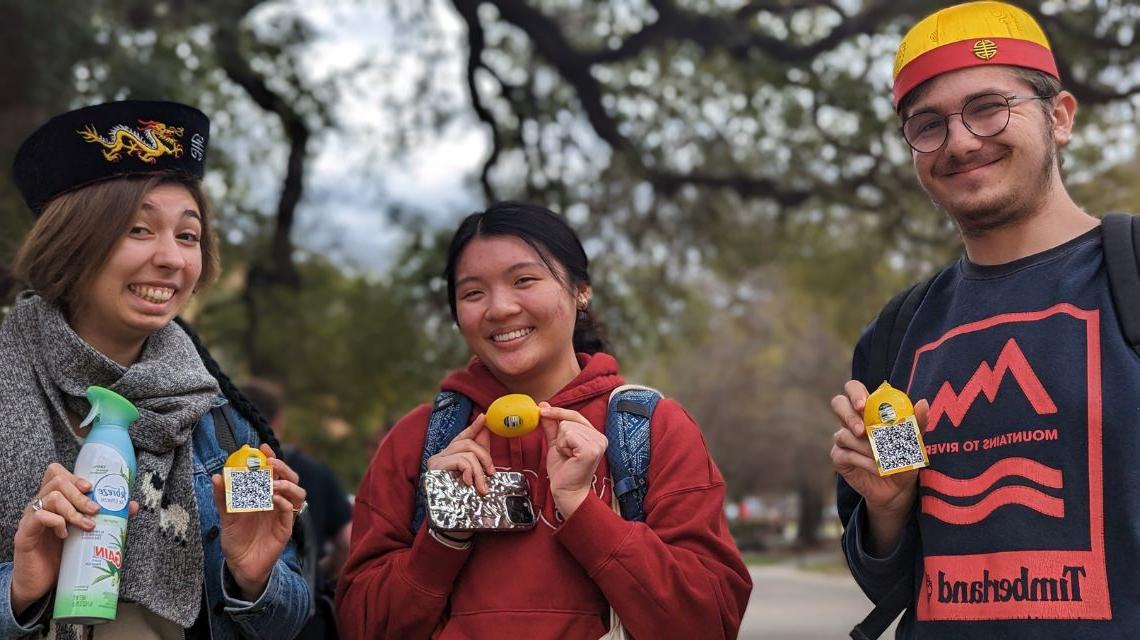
x=60 y=501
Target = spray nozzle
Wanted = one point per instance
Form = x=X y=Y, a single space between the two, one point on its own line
x=108 y=407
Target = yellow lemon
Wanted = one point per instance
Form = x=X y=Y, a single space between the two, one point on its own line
x=512 y=415
x=887 y=405
x=248 y=459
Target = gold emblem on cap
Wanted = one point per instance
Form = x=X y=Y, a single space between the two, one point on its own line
x=985 y=49
x=151 y=142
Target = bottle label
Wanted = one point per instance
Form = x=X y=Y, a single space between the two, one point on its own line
x=92 y=561
x=111 y=493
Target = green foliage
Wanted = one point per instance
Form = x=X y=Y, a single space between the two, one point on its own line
x=352 y=353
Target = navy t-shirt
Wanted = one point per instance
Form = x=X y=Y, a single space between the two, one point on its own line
x=1028 y=518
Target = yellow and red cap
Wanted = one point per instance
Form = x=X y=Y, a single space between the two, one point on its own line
x=970 y=35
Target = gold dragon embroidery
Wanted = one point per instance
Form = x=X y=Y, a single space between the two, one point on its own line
x=152 y=141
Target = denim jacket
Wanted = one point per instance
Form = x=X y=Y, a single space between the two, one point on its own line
x=279 y=613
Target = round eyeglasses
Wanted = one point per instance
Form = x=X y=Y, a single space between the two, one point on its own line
x=984 y=116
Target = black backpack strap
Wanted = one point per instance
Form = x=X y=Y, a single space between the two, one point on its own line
x=1122 y=259
x=890 y=328
x=449 y=415
x=885 y=612
x=224 y=429
x=886 y=341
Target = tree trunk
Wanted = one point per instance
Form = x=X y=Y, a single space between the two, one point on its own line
x=811 y=515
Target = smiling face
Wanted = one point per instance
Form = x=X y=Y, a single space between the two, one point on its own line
x=151 y=271
x=987 y=183
x=517 y=315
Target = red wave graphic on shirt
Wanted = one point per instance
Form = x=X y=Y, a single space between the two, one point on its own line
x=1005 y=496
x=1007 y=468
x=1028 y=497
x=988 y=381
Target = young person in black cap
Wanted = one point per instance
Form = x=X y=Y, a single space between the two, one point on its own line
x=123 y=237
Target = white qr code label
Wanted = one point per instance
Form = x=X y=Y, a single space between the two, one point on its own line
x=898 y=447
x=248 y=490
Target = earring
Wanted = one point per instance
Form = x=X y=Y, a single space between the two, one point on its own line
x=583 y=302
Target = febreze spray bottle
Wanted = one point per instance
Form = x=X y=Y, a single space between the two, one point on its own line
x=89 y=571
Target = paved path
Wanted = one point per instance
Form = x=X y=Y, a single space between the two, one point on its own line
x=791 y=604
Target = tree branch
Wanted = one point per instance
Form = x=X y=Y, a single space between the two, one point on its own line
x=548 y=39
x=476 y=42
x=747 y=186
x=729 y=33
x=280 y=268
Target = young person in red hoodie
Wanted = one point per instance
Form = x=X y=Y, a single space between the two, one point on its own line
x=519 y=291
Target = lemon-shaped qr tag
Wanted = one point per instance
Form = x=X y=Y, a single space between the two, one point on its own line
x=512 y=415
x=248 y=459
x=247 y=478
x=892 y=428
x=887 y=405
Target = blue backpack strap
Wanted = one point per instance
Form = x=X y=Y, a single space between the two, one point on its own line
x=449 y=414
x=627 y=427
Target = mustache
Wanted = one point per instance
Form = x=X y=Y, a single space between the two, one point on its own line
x=954 y=164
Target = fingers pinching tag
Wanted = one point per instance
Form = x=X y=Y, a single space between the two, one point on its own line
x=248 y=480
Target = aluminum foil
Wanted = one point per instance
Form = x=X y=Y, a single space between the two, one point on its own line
x=454 y=507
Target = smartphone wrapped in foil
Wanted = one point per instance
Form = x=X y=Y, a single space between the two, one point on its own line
x=452 y=506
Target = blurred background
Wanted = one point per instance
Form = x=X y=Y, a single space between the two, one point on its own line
x=734 y=166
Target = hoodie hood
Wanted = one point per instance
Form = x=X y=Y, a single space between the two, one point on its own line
x=599 y=376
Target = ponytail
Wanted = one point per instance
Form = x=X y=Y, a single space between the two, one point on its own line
x=589 y=334
x=236 y=398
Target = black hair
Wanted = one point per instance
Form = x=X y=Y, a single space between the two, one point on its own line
x=234 y=395
x=554 y=241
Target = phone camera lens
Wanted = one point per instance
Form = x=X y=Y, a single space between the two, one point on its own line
x=519 y=510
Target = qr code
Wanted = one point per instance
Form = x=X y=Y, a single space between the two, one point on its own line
x=898 y=446
x=248 y=490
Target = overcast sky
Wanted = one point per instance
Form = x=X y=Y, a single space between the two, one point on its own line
x=356 y=171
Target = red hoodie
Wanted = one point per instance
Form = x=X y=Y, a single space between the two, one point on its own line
x=677 y=575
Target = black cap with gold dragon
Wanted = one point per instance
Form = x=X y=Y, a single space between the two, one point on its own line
x=110 y=140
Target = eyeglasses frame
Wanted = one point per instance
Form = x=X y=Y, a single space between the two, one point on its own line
x=946 y=119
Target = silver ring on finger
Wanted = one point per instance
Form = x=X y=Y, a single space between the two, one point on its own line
x=304 y=506
x=37 y=504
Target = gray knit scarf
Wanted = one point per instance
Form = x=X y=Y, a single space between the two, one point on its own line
x=45 y=368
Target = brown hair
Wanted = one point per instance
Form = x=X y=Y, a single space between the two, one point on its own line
x=73 y=238
x=1041 y=83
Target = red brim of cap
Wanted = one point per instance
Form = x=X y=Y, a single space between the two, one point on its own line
x=961 y=55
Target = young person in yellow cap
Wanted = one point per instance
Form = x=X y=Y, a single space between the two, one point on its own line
x=1027 y=522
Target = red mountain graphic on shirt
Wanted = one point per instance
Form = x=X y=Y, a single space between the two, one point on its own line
x=955 y=405
x=1016 y=498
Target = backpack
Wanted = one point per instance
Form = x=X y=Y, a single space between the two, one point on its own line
x=1122 y=260
x=322 y=623
x=628 y=414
